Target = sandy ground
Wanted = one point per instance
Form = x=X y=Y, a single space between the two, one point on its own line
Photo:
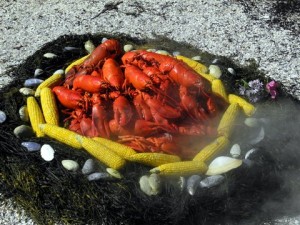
x=266 y=32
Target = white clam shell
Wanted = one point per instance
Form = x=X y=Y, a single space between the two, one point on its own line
x=88 y=166
x=2 y=116
x=235 y=151
x=215 y=71
x=193 y=184
x=231 y=70
x=162 y=52
x=128 y=48
x=26 y=91
x=151 y=50
x=146 y=187
x=252 y=122
x=114 y=173
x=259 y=138
x=223 y=164
x=23 y=113
x=49 y=55
x=60 y=71
x=47 y=152
x=89 y=46
x=70 y=165
x=250 y=152
x=98 y=176
x=104 y=40
x=38 y=72
x=196 y=58
x=212 y=181
x=155 y=183
x=181 y=183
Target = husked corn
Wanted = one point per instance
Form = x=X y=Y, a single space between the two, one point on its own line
x=219 y=89
x=76 y=62
x=49 y=106
x=212 y=149
x=35 y=115
x=122 y=150
x=61 y=134
x=153 y=158
x=50 y=82
x=248 y=108
x=183 y=168
x=227 y=121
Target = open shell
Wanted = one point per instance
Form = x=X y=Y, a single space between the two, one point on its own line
x=223 y=164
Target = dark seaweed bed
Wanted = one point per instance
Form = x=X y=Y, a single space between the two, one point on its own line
x=50 y=194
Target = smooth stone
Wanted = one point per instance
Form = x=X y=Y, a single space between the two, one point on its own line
x=2 y=116
x=47 y=152
x=70 y=48
x=235 y=151
x=162 y=52
x=23 y=131
x=27 y=91
x=251 y=122
x=38 y=72
x=89 y=46
x=49 y=55
x=196 y=58
x=33 y=82
x=60 y=71
x=145 y=186
x=231 y=71
x=215 y=71
x=70 y=165
x=250 y=152
x=193 y=183
x=128 y=48
x=31 y=146
x=97 y=176
x=212 y=181
x=176 y=53
x=23 y=113
x=88 y=166
x=114 y=173
x=259 y=138
x=155 y=183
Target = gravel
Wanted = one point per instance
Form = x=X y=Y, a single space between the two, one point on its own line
x=264 y=31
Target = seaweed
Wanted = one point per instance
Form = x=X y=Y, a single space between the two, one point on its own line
x=50 y=194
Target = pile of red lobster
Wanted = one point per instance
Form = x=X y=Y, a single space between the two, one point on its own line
x=149 y=101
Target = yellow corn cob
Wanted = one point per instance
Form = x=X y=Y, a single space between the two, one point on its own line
x=198 y=67
x=219 y=89
x=212 y=149
x=102 y=153
x=49 y=106
x=76 y=62
x=153 y=159
x=35 y=115
x=183 y=168
x=61 y=134
x=248 y=108
x=122 y=150
x=227 y=120
x=50 y=82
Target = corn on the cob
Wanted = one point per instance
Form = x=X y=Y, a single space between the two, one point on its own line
x=227 y=121
x=219 y=89
x=49 y=106
x=212 y=149
x=35 y=115
x=183 y=168
x=102 y=153
x=248 y=108
x=49 y=82
x=122 y=150
x=61 y=134
x=76 y=62
x=153 y=158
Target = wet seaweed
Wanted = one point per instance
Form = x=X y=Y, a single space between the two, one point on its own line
x=50 y=194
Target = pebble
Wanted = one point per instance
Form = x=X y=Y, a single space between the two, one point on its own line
x=23 y=113
x=97 y=176
x=151 y=50
x=70 y=48
x=144 y=185
x=252 y=122
x=31 y=146
x=33 y=82
x=235 y=151
x=88 y=166
x=259 y=137
x=60 y=71
x=196 y=58
x=104 y=40
x=181 y=183
x=49 y=55
x=162 y=52
x=70 y=165
x=128 y=48
x=89 y=46
x=223 y=164
x=114 y=173
x=250 y=152
x=176 y=53
x=231 y=71
x=215 y=71
x=47 y=152
x=2 y=116
x=27 y=91
x=212 y=181
x=155 y=183
x=23 y=131
x=38 y=72
x=193 y=183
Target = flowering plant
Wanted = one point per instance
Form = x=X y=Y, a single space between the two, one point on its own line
x=272 y=89
x=253 y=90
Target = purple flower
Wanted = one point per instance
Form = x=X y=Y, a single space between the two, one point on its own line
x=272 y=88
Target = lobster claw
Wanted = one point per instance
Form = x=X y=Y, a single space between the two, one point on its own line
x=122 y=110
x=87 y=128
x=99 y=121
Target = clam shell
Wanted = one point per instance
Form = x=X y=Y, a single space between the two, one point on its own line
x=89 y=46
x=151 y=50
x=88 y=166
x=33 y=82
x=23 y=131
x=181 y=183
x=70 y=48
x=114 y=173
x=193 y=184
x=49 y=55
x=98 y=176
x=60 y=71
x=70 y=165
x=155 y=183
x=235 y=151
x=223 y=164
x=104 y=39
x=23 y=113
x=26 y=91
x=128 y=48
x=252 y=122
x=211 y=181
x=2 y=116
x=196 y=58
x=38 y=72
x=259 y=138
x=146 y=187
x=231 y=70
x=162 y=52
x=215 y=71
x=250 y=152
x=47 y=152
x=31 y=146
